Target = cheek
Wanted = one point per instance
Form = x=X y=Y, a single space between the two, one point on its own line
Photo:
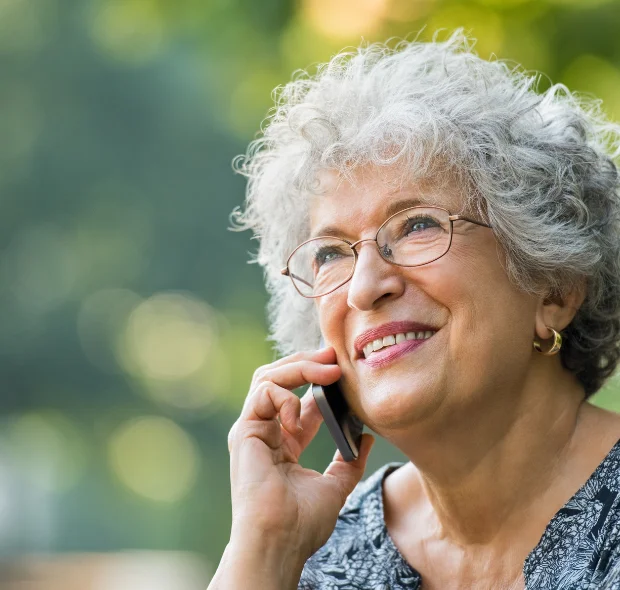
x=480 y=300
x=332 y=311
x=491 y=321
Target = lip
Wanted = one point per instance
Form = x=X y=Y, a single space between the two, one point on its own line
x=386 y=330
x=382 y=357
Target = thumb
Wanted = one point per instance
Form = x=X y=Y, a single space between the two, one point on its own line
x=345 y=475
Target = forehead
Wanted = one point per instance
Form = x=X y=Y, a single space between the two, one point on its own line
x=369 y=197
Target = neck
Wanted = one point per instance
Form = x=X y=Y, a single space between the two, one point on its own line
x=482 y=470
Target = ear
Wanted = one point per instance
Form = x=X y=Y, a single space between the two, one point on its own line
x=557 y=311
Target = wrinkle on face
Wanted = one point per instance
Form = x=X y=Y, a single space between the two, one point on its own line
x=462 y=292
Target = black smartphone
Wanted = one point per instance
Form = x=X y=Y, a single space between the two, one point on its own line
x=344 y=427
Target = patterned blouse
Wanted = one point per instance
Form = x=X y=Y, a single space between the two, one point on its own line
x=579 y=550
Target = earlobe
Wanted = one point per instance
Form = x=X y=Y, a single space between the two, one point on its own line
x=547 y=316
x=556 y=311
x=544 y=321
x=553 y=348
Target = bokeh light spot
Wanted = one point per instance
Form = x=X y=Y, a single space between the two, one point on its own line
x=302 y=44
x=407 y=11
x=168 y=336
x=155 y=458
x=199 y=394
x=346 y=18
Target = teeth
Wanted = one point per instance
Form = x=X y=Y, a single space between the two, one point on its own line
x=380 y=343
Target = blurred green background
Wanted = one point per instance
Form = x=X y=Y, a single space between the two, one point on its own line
x=130 y=320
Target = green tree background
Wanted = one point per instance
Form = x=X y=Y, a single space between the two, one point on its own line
x=131 y=321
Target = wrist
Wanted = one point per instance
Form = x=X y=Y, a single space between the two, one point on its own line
x=272 y=540
x=252 y=560
x=270 y=549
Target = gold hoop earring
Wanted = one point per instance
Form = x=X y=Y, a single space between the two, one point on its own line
x=555 y=347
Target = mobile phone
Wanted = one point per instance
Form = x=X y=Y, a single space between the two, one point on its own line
x=345 y=428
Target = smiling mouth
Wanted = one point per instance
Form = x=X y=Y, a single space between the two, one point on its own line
x=394 y=339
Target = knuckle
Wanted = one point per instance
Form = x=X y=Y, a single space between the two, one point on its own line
x=264 y=388
x=259 y=374
x=266 y=430
x=294 y=402
x=300 y=355
x=256 y=376
x=256 y=393
x=266 y=375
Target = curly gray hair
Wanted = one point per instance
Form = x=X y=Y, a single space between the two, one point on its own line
x=539 y=167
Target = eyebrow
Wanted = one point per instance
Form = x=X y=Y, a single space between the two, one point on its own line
x=393 y=207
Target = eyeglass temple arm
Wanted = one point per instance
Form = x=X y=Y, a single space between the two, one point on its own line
x=461 y=217
x=286 y=273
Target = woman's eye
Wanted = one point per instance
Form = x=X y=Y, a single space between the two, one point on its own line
x=420 y=224
x=326 y=255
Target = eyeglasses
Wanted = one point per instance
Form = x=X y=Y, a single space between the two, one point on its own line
x=411 y=237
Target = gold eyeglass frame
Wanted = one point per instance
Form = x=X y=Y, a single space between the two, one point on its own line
x=452 y=218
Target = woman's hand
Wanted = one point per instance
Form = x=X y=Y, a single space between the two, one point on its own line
x=273 y=497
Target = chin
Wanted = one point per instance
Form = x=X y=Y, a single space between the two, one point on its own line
x=385 y=407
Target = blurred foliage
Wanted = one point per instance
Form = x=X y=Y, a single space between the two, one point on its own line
x=131 y=323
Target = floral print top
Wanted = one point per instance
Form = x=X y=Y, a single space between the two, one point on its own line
x=579 y=550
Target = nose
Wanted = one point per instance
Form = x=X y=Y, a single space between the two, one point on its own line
x=374 y=279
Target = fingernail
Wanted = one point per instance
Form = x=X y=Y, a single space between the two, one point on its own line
x=299 y=426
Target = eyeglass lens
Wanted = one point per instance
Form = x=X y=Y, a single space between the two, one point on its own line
x=410 y=238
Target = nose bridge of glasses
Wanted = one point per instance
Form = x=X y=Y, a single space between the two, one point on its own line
x=354 y=245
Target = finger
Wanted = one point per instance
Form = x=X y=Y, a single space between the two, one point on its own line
x=345 y=475
x=231 y=436
x=325 y=355
x=295 y=375
x=311 y=419
x=270 y=400
x=253 y=442
x=269 y=431
x=300 y=373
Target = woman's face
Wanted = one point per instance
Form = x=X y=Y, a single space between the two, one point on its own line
x=483 y=326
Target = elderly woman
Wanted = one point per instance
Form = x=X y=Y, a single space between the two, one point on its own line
x=455 y=238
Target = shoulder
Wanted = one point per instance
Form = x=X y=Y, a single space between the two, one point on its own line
x=607 y=473
x=581 y=544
